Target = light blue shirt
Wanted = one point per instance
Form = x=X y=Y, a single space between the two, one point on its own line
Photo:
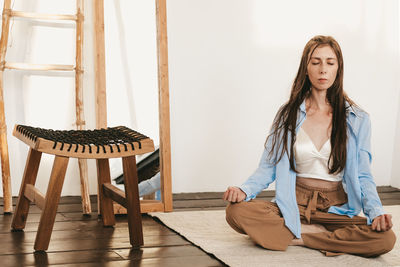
x=357 y=177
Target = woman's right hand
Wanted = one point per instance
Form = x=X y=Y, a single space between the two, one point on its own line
x=234 y=194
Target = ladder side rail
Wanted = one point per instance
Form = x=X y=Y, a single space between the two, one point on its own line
x=80 y=115
x=5 y=162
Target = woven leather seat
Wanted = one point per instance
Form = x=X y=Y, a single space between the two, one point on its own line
x=99 y=144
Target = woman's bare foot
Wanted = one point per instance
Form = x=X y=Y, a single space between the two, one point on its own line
x=307 y=228
x=297 y=242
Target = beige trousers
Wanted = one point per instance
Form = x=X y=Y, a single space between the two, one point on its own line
x=262 y=221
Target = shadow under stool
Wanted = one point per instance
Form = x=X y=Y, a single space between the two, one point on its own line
x=102 y=144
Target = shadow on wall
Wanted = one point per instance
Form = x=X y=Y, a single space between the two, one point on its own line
x=126 y=68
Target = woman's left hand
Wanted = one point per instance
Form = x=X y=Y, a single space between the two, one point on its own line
x=382 y=223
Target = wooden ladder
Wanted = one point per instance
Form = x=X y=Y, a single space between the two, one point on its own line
x=80 y=121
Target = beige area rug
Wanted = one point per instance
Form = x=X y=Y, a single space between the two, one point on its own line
x=209 y=230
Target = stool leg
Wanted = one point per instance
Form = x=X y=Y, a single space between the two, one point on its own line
x=83 y=170
x=132 y=201
x=30 y=174
x=51 y=202
x=106 y=204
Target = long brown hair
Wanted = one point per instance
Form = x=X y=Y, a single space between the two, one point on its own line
x=285 y=121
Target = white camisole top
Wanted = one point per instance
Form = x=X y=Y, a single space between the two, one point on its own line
x=310 y=162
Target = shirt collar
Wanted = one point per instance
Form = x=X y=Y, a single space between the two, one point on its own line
x=347 y=105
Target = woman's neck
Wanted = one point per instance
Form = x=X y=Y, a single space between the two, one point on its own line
x=317 y=101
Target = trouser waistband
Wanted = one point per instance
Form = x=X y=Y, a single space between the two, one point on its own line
x=314 y=198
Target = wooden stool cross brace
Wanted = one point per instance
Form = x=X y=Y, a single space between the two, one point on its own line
x=96 y=144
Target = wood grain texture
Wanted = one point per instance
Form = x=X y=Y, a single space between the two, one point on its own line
x=163 y=93
x=106 y=203
x=5 y=160
x=146 y=206
x=132 y=201
x=42 y=16
x=34 y=195
x=5 y=164
x=51 y=202
x=116 y=194
x=29 y=177
x=38 y=67
x=100 y=64
x=151 y=206
x=79 y=107
x=99 y=68
x=119 y=196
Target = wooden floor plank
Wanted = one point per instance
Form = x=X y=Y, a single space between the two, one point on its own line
x=159 y=252
x=390 y=195
x=96 y=256
x=86 y=232
x=5 y=224
x=192 y=261
x=21 y=246
x=64 y=257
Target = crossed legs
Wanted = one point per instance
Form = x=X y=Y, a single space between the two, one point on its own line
x=263 y=223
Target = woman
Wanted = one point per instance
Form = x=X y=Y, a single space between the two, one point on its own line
x=318 y=153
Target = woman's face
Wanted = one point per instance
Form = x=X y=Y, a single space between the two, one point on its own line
x=322 y=67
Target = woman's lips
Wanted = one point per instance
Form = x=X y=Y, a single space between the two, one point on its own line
x=322 y=80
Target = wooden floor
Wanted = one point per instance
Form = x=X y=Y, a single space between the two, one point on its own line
x=79 y=240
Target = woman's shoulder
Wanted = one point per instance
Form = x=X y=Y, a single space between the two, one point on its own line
x=358 y=119
x=357 y=112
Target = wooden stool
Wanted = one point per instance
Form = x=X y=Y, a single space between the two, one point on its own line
x=96 y=144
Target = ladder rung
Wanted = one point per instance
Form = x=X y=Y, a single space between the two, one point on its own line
x=42 y=16
x=40 y=67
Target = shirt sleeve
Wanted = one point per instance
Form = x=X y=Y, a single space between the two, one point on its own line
x=372 y=206
x=263 y=176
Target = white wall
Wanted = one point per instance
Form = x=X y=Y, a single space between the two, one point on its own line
x=231 y=66
x=396 y=148
x=396 y=153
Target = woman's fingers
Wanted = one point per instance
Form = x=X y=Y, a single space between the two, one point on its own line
x=225 y=196
x=227 y=193
x=373 y=226
x=233 y=194
x=241 y=196
x=230 y=195
x=377 y=222
x=383 y=223
x=389 y=223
